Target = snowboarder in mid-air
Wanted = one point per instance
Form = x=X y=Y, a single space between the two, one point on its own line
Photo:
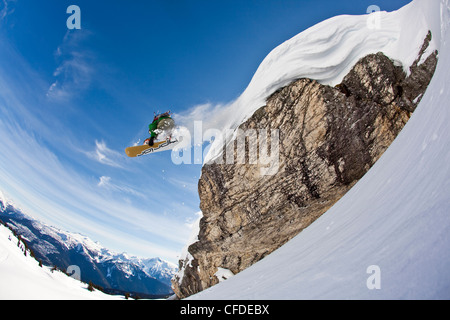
x=162 y=129
x=161 y=123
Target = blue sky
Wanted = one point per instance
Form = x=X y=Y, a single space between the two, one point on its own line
x=72 y=100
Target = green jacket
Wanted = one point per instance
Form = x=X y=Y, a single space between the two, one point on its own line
x=154 y=125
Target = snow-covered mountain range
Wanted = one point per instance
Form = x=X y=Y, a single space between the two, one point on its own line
x=21 y=276
x=116 y=273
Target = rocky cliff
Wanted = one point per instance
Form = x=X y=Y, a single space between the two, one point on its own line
x=329 y=137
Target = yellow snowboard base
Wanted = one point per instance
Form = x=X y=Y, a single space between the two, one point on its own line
x=142 y=150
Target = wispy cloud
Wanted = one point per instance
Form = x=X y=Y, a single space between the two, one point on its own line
x=105 y=182
x=105 y=155
x=190 y=187
x=212 y=116
x=5 y=8
x=75 y=69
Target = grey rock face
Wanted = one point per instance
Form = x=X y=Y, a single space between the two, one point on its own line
x=328 y=139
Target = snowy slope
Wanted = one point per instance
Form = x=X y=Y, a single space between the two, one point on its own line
x=327 y=51
x=22 y=278
x=103 y=267
x=397 y=218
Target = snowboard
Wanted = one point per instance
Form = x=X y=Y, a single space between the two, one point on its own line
x=142 y=150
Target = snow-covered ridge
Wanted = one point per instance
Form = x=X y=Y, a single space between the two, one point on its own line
x=73 y=240
x=69 y=240
x=21 y=277
x=55 y=246
x=327 y=51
